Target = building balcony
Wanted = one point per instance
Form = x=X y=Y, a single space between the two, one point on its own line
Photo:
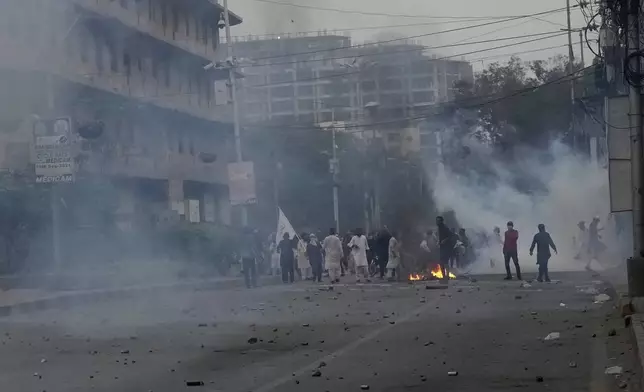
x=161 y=166
x=136 y=17
x=142 y=88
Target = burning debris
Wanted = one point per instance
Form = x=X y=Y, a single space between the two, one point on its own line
x=435 y=273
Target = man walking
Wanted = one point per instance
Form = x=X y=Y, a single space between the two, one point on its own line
x=446 y=242
x=333 y=254
x=510 y=251
x=314 y=253
x=543 y=242
x=382 y=250
x=393 y=260
x=287 y=258
x=248 y=253
x=359 y=247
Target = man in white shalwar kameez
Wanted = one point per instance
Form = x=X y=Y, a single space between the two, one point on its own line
x=359 y=247
x=332 y=246
x=303 y=264
x=394 y=256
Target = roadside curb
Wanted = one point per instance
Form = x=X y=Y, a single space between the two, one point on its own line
x=68 y=300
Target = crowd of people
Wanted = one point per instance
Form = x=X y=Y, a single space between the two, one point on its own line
x=310 y=259
x=378 y=254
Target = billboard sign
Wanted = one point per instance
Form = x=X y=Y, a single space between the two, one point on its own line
x=52 y=148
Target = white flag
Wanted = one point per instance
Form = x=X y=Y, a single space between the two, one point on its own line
x=284 y=226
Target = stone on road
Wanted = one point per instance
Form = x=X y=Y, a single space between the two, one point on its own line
x=471 y=336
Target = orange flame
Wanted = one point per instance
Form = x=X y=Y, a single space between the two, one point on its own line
x=438 y=273
x=415 y=277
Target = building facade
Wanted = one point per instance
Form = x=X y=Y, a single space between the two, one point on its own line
x=137 y=68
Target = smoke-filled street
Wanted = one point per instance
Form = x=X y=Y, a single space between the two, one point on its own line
x=304 y=337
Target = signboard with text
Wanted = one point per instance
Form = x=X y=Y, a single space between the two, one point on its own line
x=241 y=182
x=52 y=148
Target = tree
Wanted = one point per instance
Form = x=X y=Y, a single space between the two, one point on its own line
x=523 y=103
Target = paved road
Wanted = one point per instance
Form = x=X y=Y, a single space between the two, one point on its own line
x=391 y=337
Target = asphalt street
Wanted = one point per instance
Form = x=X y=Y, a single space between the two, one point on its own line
x=305 y=337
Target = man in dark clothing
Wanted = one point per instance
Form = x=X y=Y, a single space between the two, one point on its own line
x=314 y=253
x=446 y=242
x=510 y=251
x=248 y=252
x=382 y=251
x=287 y=258
x=543 y=242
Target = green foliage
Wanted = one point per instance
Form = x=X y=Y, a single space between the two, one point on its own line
x=521 y=102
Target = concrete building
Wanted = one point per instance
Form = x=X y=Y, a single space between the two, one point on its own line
x=137 y=66
x=312 y=79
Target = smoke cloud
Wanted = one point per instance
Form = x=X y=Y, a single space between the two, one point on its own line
x=566 y=189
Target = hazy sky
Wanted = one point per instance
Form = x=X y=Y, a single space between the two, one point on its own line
x=263 y=18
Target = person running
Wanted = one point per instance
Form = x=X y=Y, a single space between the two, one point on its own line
x=359 y=247
x=446 y=242
x=287 y=258
x=333 y=254
x=543 y=242
x=510 y=251
x=314 y=253
x=393 y=259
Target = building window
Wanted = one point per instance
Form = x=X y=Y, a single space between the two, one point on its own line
x=83 y=47
x=164 y=15
x=114 y=63
x=175 y=19
x=127 y=64
x=204 y=34
x=155 y=68
x=151 y=11
x=98 y=54
x=167 y=75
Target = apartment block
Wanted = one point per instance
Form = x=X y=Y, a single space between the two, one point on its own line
x=136 y=66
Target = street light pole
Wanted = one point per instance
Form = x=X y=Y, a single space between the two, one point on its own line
x=571 y=60
x=233 y=97
x=334 y=168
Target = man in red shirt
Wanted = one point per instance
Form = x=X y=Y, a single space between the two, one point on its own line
x=510 y=251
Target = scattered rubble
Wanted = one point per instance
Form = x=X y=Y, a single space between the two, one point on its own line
x=322 y=364
x=525 y=285
x=572 y=364
x=364 y=387
x=539 y=379
x=552 y=336
x=452 y=373
x=252 y=340
x=601 y=298
x=517 y=297
x=194 y=383
x=316 y=373
x=612 y=332
x=613 y=370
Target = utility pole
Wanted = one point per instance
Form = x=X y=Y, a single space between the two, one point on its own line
x=233 y=97
x=581 y=46
x=335 y=169
x=54 y=195
x=635 y=285
x=571 y=61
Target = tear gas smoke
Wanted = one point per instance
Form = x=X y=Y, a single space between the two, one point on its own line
x=571 y=189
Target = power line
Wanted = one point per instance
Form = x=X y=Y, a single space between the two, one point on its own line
x=408 y=37
x=371 y=13
x=434 y=59
x=416 y=49
x=520 y=52
x=340 y=30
